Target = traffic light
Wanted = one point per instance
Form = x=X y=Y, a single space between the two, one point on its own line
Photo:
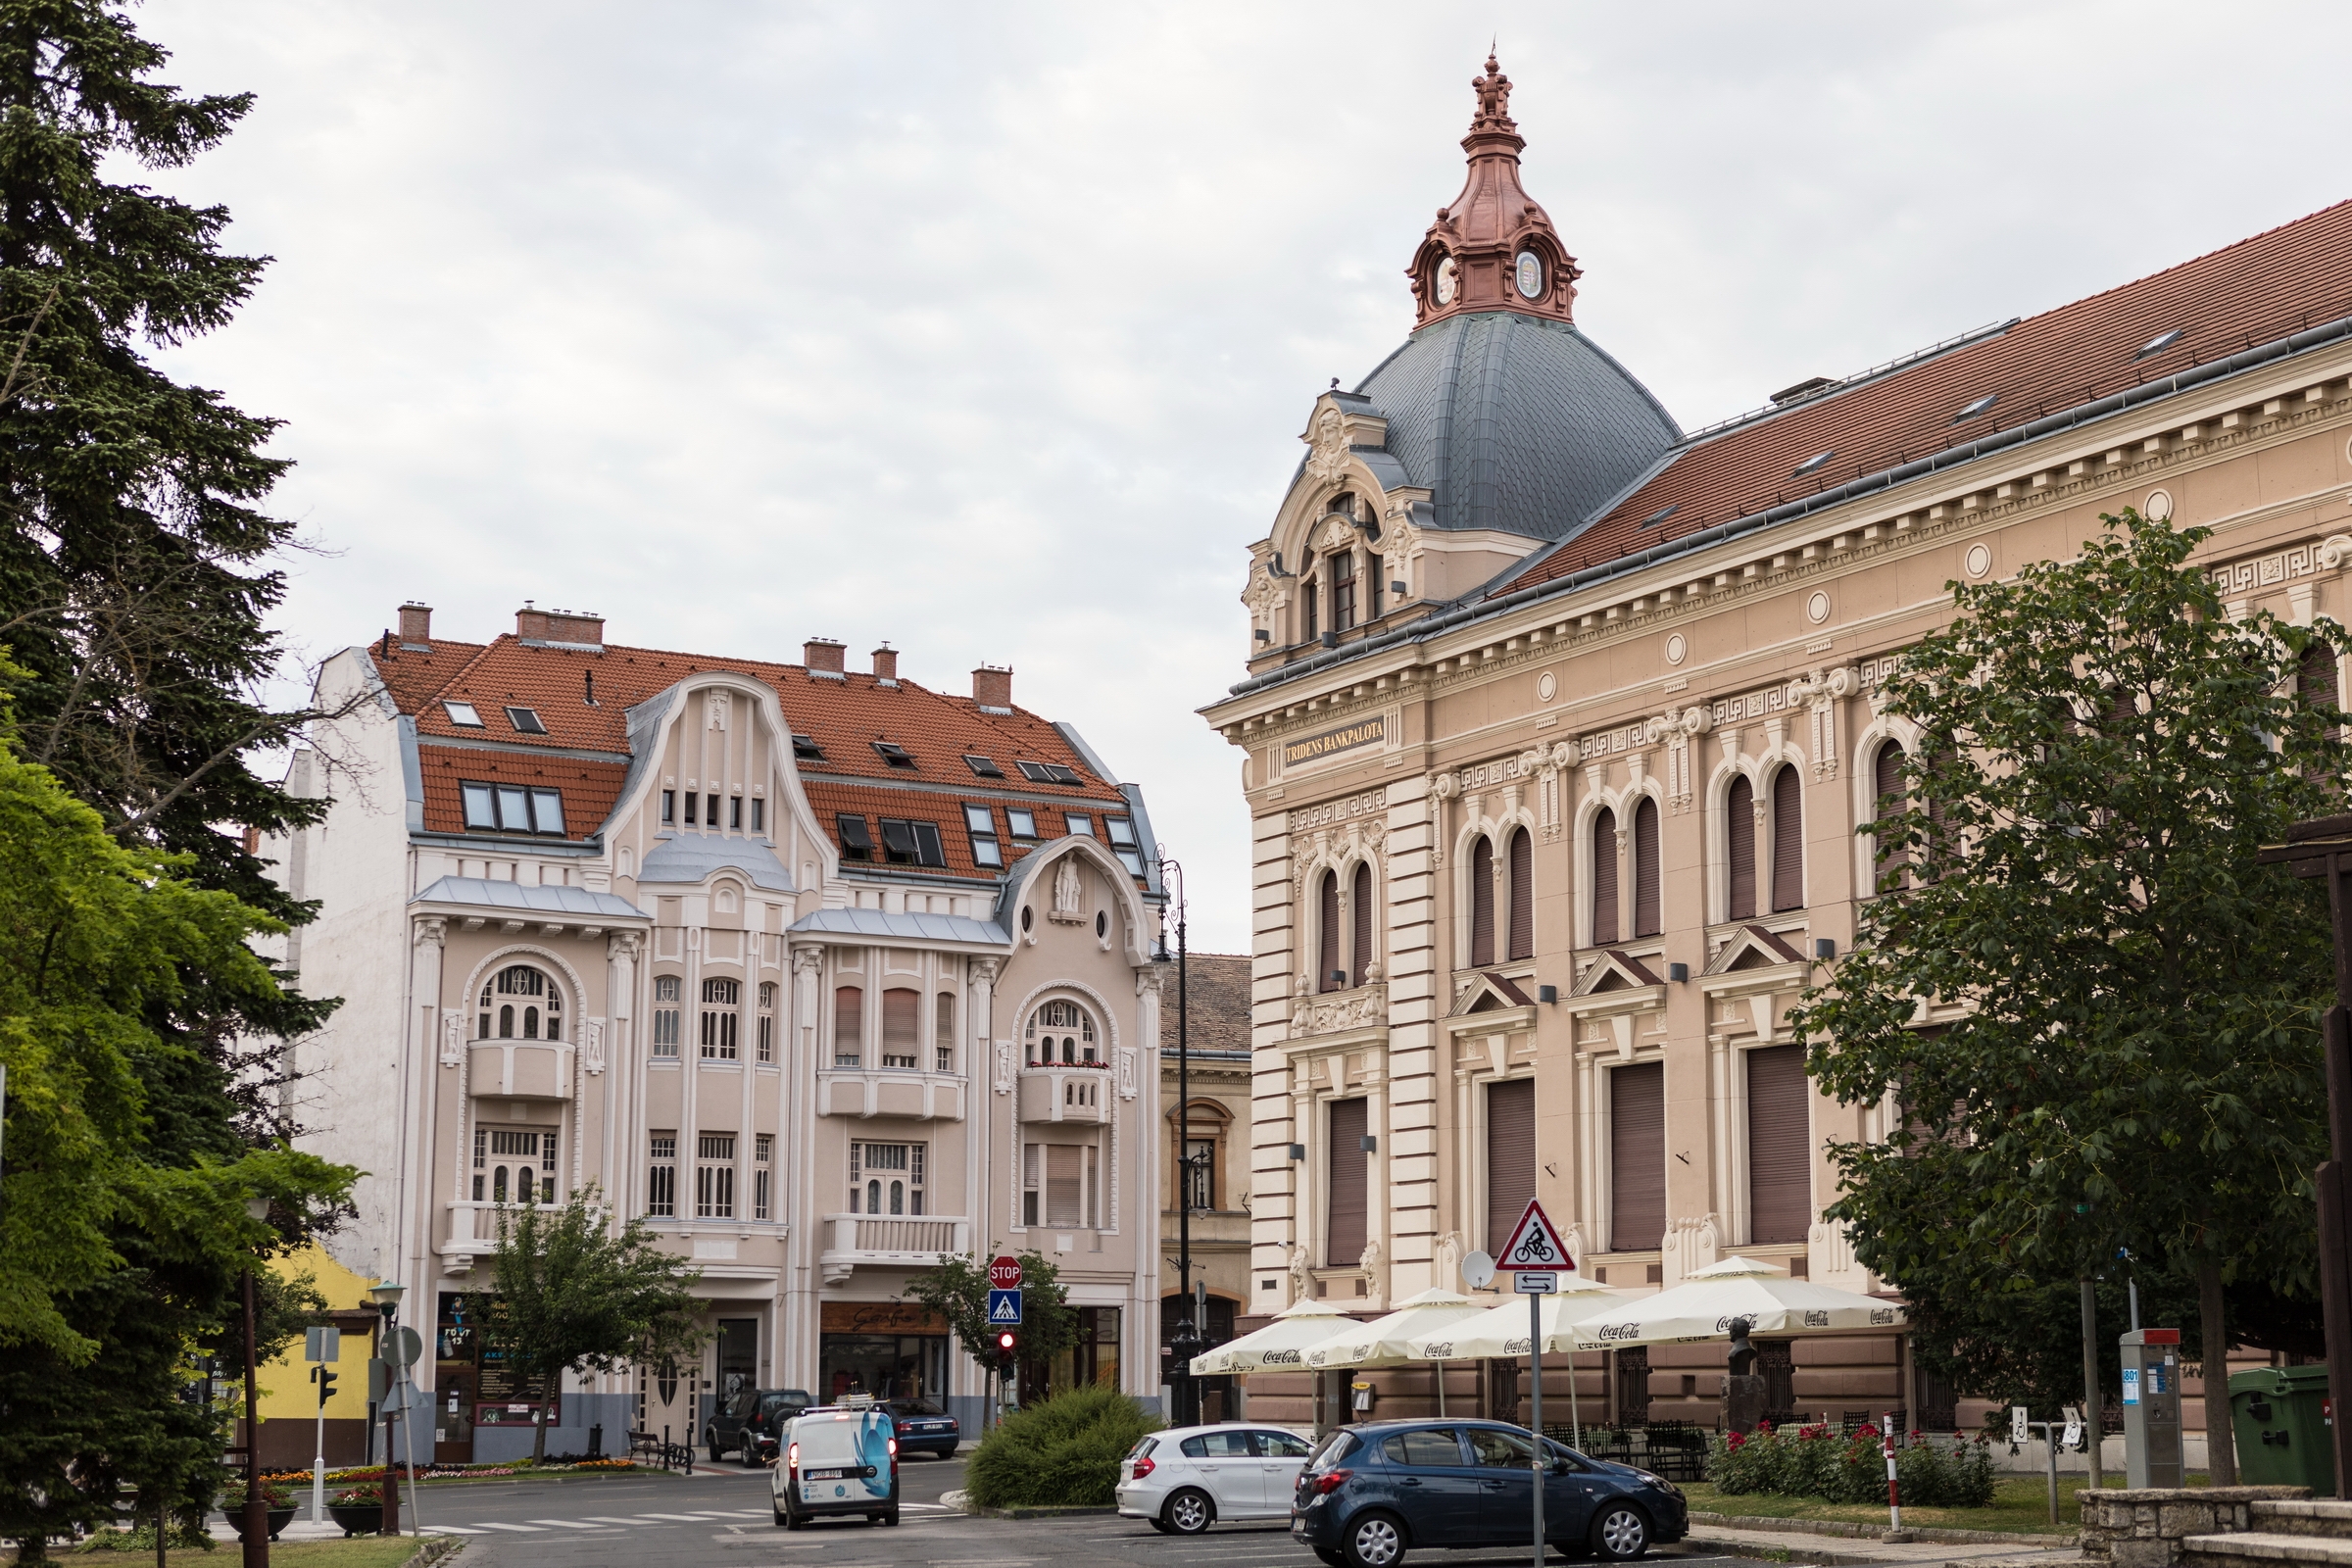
x=325 y=1376
x=1008 y=1343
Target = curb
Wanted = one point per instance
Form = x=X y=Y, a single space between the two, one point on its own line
x=1847 y=1529
x=434 y=1548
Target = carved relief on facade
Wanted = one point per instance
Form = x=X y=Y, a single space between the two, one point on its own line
x=1364 y=1007
x=1819 y=691
x=453 y=1037
x=592 y=1046
x=1004 y=1077
x=1327 y=445
x=1123 y=1060
x=1069 y=893
x=1690 y=1243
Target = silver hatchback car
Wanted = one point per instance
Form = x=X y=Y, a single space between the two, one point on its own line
x=1182 y=1481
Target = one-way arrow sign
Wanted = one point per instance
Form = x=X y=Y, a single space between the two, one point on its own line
x=1003 y=1309
x=1534 y=1245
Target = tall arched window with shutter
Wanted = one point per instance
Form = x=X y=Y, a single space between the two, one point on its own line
x=1328 y=975
x=1787 y=841
x=1648 y=912
x=1359 y=907
x=1605 y=878
x=2314 y=680
x=1740 y=849
x=1482 y=902
x=1523 y=895
x=1887 y=786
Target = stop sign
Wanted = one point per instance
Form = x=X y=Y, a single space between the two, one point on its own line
x=1005 y=1273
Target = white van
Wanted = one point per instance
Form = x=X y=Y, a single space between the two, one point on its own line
x=838 y=1460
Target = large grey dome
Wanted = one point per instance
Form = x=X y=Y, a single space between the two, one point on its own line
x=1515 y=423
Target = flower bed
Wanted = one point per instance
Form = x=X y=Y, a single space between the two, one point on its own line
x=1819 y=1462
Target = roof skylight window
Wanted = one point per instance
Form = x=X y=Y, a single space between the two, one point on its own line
x=1048 y=773
x=1662 y=514
x=526 y=722
x=805 y=749
x=894 y=754
x=1977 y=407
x=2160 y=342
x=464 y=713
x=1812 y=465
x=983 y=767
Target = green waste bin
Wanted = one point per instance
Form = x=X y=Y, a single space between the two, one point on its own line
x=2279 y=1415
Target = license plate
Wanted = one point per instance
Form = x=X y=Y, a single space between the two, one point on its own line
x=822 y=1474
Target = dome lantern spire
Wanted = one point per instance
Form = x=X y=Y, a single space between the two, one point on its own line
x=1493 y=248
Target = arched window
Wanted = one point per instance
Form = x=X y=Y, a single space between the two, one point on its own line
x=1739 y=849
x=1886 y=785
x=849 y=1026
x=943 y=1034
x=1343 y=589
x=1648 y=915
x=902 y=1021
x=666 y=990
x=767 y=1021
x=2315 y=679
x=720 y=999
x=1523 y=895
x=523 y=1002
x=1360 y=907
x=1328 y=974
x=1482 y=903
x=1062 y=1032
x=1787 y=841
x=1604 y=877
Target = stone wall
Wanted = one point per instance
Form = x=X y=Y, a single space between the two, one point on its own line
x=2144 y=1529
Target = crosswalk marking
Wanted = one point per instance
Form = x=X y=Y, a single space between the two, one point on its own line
x=601 y=1519
x=674 y=1518
x=450 y=1529
x=527 y=1530
x=568 y=1524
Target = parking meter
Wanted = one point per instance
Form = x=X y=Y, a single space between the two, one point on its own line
x=2152 y=1408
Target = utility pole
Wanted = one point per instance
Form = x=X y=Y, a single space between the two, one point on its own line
x=2322 y=847
x=1185 y=1342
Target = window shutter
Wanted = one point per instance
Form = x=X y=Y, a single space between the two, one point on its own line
x=1739 y=847
x=1787 y=841
x=1344 y=1232
x=1887 y=780
x=1362 y=956
x=1327 y=936
x=1510 y=1157
x=1482 y=903
x=1646 y=916
x=901 y=1011
x=1523 y=896
x=1638 y=1157
x=2315 y=681
x=849 y=1022
x=1605 y=878
x=1063 y=1193
x=1780 y=1145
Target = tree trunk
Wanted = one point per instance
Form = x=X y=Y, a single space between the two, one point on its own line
x=539 y=1424
x=2095 y=1405
x=2221 y=1452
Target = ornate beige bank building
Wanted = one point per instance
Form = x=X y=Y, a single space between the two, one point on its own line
x=1560 y=722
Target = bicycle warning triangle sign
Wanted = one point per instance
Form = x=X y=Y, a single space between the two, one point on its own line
x=1534 y=1244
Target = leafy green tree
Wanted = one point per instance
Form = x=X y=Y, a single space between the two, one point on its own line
x=957 y=1289
x=576 y=1294
x=2134 y=1061
x=123 y=1237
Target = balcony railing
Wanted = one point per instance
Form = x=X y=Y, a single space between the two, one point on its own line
x=890 y=1240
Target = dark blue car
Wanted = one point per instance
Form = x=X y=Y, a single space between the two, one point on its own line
x=1375 y=1492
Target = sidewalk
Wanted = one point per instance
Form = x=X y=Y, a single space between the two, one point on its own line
x=1852 y=1552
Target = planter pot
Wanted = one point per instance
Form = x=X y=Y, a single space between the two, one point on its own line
x=359 y=1518
x=280 y=1518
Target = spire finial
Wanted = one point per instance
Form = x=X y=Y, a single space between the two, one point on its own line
x=1494 y=91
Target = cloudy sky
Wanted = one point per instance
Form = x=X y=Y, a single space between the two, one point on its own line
x=989 y=329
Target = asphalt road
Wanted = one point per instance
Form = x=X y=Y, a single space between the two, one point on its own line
x=720 y=1519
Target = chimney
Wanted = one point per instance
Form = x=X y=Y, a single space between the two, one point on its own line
x=530 y=624
x=823 y=655
x=991 y=689
x=417 y=624
x=581 y=628
x=886 y=664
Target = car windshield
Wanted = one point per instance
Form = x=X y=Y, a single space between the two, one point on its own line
x=828 y=1440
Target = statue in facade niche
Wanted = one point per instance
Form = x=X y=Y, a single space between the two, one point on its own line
x=1066 y=890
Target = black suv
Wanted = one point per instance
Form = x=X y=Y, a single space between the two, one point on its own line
x=1372 y=1493
x=749 y=1423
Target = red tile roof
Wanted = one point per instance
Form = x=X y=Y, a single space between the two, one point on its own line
x=2254 y=292
x=844 y=717
x=830 y=799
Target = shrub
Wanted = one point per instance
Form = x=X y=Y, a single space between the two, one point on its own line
x=1062 y=1454
x=1816 y=1461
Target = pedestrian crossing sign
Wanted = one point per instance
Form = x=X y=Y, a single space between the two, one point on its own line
x=1003 y=1309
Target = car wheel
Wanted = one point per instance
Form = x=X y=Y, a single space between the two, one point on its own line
x=1620 y=1532
x=890 y=1518
x=712 y=1439
x=949 y=1453
x=1190 y=1512
x=784 y=1519
x=1375 y=1541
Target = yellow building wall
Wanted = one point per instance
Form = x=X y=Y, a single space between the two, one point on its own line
x=286 y=1390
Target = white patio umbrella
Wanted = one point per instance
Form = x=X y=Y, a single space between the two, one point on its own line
x=1381 y=1342
x=1282 y=1343
x=1704 y=1304
x=1501 y=1333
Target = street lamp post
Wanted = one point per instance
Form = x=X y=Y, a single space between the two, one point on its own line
x=386 y=1297
x=1185 y=1342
